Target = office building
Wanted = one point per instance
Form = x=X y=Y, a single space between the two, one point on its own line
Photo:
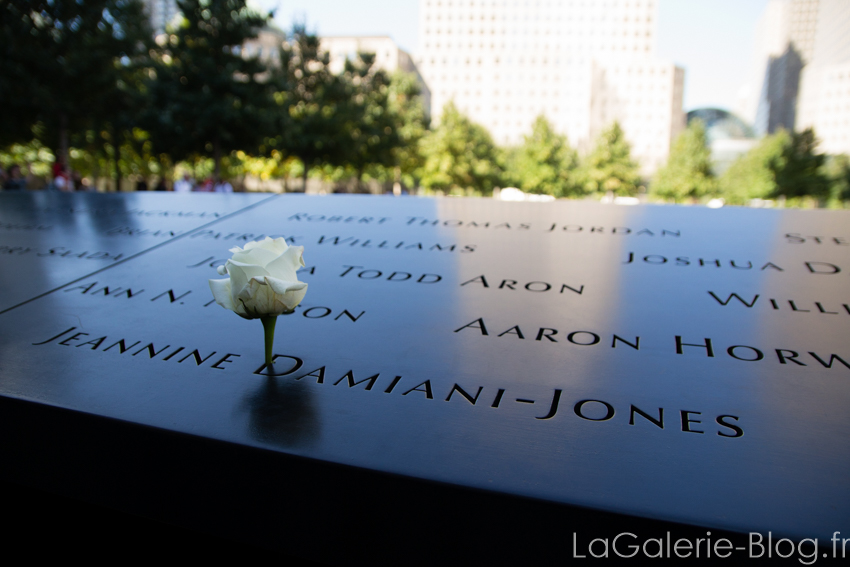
x=802 y=62
x=266 y=46
x=824 y=102
x=388 y=56
x=582 y=64
x=784 y=42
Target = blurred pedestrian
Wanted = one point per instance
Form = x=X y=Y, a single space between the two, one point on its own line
x=61 y=179
x=78 y=183
x=222 y=186
x=205 y=187
x=161 y=185
x=141 y=184
x=184 y=185
x=15 y=181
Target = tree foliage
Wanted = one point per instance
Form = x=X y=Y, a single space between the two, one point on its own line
x=370 y=127
x=781 y=165
x=544 y=163
x=753 y=175
x=798 y=172
x=82 y=80
x=837 y=170
x=459 y=155
x=609 y=167
x=206 y=97
x=310 y=104
x=412 y=122
x=65 y=64
x=687 y=174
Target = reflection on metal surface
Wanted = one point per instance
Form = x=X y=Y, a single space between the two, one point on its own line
x=281 y=412
x=668 y=362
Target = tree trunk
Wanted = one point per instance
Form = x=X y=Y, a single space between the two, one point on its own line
x=304 y=177
x=96 y=170
x=396 y=180
x=217 y=158
x=63 y=139
x=161 y=167
x=359 y=180
x=116 y=154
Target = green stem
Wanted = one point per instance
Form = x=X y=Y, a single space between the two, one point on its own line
x=268 y=328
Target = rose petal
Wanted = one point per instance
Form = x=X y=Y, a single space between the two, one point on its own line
x=284 y=266
x=221 y=292
x=257 y=256
x=248 y=270
x=281 y=287
x=268 y=243
x=278 y=245
x=240 y=274
x=256 y=299
x=289 y=294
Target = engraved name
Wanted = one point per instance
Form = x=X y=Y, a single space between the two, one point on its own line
x=707 y=347
x=592 y=410
x=798 y=238
x=811 y=267
x=59 y=252
x=788 y=305
x=120 y=346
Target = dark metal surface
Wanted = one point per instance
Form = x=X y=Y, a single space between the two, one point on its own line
x=753 y=438
x=48 y=238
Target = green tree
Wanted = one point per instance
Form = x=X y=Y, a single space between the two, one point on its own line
x=371 y=135
x=118 y=112
x=609 y=167
x=781 y=165
x=206 y=97
x=311 y=105
x=62 y=63
x=410 y=124
x=459 y=155
x=687 y=174
x=34 y=153
x=18 y=37
x=544 y=163
x=95 y=155
x=411 y=119
x=837 y=170
x=799 y=171
x=753 y=175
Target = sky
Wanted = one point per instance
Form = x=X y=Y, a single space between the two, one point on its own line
x=711 y=39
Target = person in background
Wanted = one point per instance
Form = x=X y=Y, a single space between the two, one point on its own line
x=141 y=184
x=222 y=186
x=61 y=180
x=206 y=186
x=184 y=185
x=79 y=183
x=160 y=186
x=15 y=181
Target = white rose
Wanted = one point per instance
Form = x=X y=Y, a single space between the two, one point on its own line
x=262 y=281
